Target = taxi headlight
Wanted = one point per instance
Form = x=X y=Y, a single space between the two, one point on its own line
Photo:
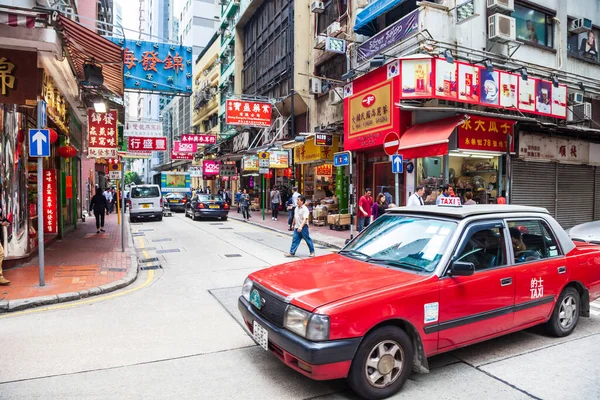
x=246 y=288
x=310 y=326
x=318 y=327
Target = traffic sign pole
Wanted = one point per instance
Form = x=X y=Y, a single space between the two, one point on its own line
x=41 y=106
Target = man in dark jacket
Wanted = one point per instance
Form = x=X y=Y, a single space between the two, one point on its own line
x=100 y=205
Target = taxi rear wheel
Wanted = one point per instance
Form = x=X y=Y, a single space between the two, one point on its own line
x=566 y=313
x=382 y=363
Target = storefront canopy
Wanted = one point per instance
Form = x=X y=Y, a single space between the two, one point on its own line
x=370 y=13
x=84 y=45
x=429 y=139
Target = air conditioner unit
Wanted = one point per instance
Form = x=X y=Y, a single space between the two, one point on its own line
x=320 y=44
x=575 y=98
x=317 y=7
x=231 y=78
x=580 y=112
x=502 y=28
x=358 y=38
x=333 y=28
x=501 y=5
x=580 y=25
x=336 y=96
x=316 y=87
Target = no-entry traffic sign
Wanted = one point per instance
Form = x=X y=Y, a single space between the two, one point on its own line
x=391 y=144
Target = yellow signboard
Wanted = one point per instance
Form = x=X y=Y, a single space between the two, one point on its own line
x=371 y=110
x=308 y=152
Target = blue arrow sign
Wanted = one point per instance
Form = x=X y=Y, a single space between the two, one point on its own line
x=341 y=159
x=397 y=167
x=39 y=143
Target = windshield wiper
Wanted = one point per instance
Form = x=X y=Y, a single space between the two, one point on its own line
x=354 y=253
x=401 y=264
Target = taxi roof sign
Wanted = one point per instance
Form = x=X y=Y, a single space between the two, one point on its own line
x=450 y=201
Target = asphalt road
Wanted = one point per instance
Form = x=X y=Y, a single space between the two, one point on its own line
x=176 y=334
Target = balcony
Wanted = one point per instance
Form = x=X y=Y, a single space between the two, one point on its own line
x=227 y=40
x=231 y=8
x=227 y=71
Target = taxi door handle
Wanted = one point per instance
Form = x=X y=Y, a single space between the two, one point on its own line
x=562 y=270
x=505 y=281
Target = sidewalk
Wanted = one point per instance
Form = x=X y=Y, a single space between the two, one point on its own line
x=320 y=234
x=83 y=264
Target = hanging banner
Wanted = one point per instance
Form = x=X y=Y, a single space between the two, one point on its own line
x=50 y=202
x=102 y=134
x=146 y=144
x=141 y=128
x=485 y=134
x=248 y=113
x=210 y=167
x=250 y=163
x=181 y=147
x=199 y=139
x=156 y=67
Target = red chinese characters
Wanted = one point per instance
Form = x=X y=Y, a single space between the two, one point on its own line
x=50 y=198
x=199 y=139
x=485 y=134
x=146 y=144
x=248 y=113
x=102 y=134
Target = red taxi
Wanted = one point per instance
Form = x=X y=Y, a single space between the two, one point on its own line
x=418 y=282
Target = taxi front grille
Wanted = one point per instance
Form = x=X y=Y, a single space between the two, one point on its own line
x=273 y=309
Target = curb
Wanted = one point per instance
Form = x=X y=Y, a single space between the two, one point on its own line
x=316 y=241
x=8 y=306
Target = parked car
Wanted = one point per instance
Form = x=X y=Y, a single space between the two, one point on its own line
x=177 y=201
x=146 y=202
x=588 y=232
x=420 y=281
x=207 y=206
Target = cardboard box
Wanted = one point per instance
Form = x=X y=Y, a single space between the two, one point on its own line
x=337 y=219
x=331 y=219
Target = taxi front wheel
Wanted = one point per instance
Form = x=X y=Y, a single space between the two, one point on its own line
x=382 y=363
x=566 y=313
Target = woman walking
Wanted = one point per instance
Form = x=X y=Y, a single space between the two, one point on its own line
x=100 y=206
x=379 y=206
x=275 y=202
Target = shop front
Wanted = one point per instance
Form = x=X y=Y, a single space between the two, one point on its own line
x=314 y=169
x=250 y=179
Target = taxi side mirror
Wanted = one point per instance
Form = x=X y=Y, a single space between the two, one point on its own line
x=462 y=268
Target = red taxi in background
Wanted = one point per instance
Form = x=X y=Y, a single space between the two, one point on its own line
x=418 y=282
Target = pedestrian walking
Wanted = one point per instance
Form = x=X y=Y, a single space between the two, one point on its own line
x=275 y=202
x=416 y=199
x=365 y=206
x=295 y=195
x=301 y=214
x=289 y=206
x=108 y=196
x=245 y=203
x=99 y=205
x=379 y=206
x=238 y=198
x=3 y=222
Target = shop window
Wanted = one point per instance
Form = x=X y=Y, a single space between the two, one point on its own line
x=584 y=45
x=334 y=9
x=533 y=26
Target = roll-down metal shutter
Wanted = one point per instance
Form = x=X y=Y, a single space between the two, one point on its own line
x=597 y=196
x=534 y=184
x=575 y=203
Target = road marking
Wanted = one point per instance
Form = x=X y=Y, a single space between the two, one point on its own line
x=595 y=313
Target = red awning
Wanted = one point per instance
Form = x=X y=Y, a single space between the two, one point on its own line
x=428 y=139
x=83 y=45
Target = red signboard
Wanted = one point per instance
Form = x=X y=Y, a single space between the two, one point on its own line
x=102 y=134
x=485 y=134
x=210 y=168
x=50 y=200
x=248 y=113
x=181 y=156
x=146 y=144
x=199 y=139
x=181 y=147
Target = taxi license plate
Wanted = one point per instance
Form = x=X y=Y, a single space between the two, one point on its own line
x=261 y=336
x=146 y=205
x=214 y=206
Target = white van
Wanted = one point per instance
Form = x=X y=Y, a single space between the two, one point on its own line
x=146 y=202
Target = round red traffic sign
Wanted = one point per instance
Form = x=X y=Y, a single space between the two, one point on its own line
x=391 y=144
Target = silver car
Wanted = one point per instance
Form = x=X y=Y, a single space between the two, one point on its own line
x=588 y=232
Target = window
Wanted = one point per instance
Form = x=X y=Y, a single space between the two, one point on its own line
x=533 y=26
x=584 y=45
x=209 y=197
x=485 y=248
x=532 y=240
x=333 y=10
x=333 y=68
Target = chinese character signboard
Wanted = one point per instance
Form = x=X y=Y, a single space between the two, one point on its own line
x=181 y=156
x=19 y=77
x=485 y=134
x=227 y=170
x=248 y=113
x=50 y=196
x=199 y=139
x=146 y=144
x=210 y=168
x=541 y=147
x=181 y=147
x=141 y=128
x=309 y=152
x=156 y=67
x=102 y=134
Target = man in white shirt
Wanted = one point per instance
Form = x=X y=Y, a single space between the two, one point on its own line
x=109 y=197
x=416 y=199
x=301 y=214
x=295 y=196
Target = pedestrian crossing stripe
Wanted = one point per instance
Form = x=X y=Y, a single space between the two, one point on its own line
x=595 y=308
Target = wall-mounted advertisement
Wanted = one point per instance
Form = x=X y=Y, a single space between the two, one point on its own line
x=468 y=83
x=559 y=100
x=416 y=78
x=445 y=79
x=543 y=103
x=489 y=88
x=584 y=45
x=527 y=94
x=509 y=84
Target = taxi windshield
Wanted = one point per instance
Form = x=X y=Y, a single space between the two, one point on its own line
x=402 y=241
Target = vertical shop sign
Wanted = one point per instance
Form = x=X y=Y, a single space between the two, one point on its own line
x=341 y=189
x=102 y=134
x=50 y=196
x=69 y=186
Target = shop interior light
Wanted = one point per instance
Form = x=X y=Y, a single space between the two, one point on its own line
x=481 y=156
x=448 y=56
x=554 y=80
x=99 y=106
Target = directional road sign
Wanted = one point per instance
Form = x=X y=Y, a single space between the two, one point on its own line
x=39 y=143
x=391 y=143
x=397 y=167
x=42 y=115
x=341 y=159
